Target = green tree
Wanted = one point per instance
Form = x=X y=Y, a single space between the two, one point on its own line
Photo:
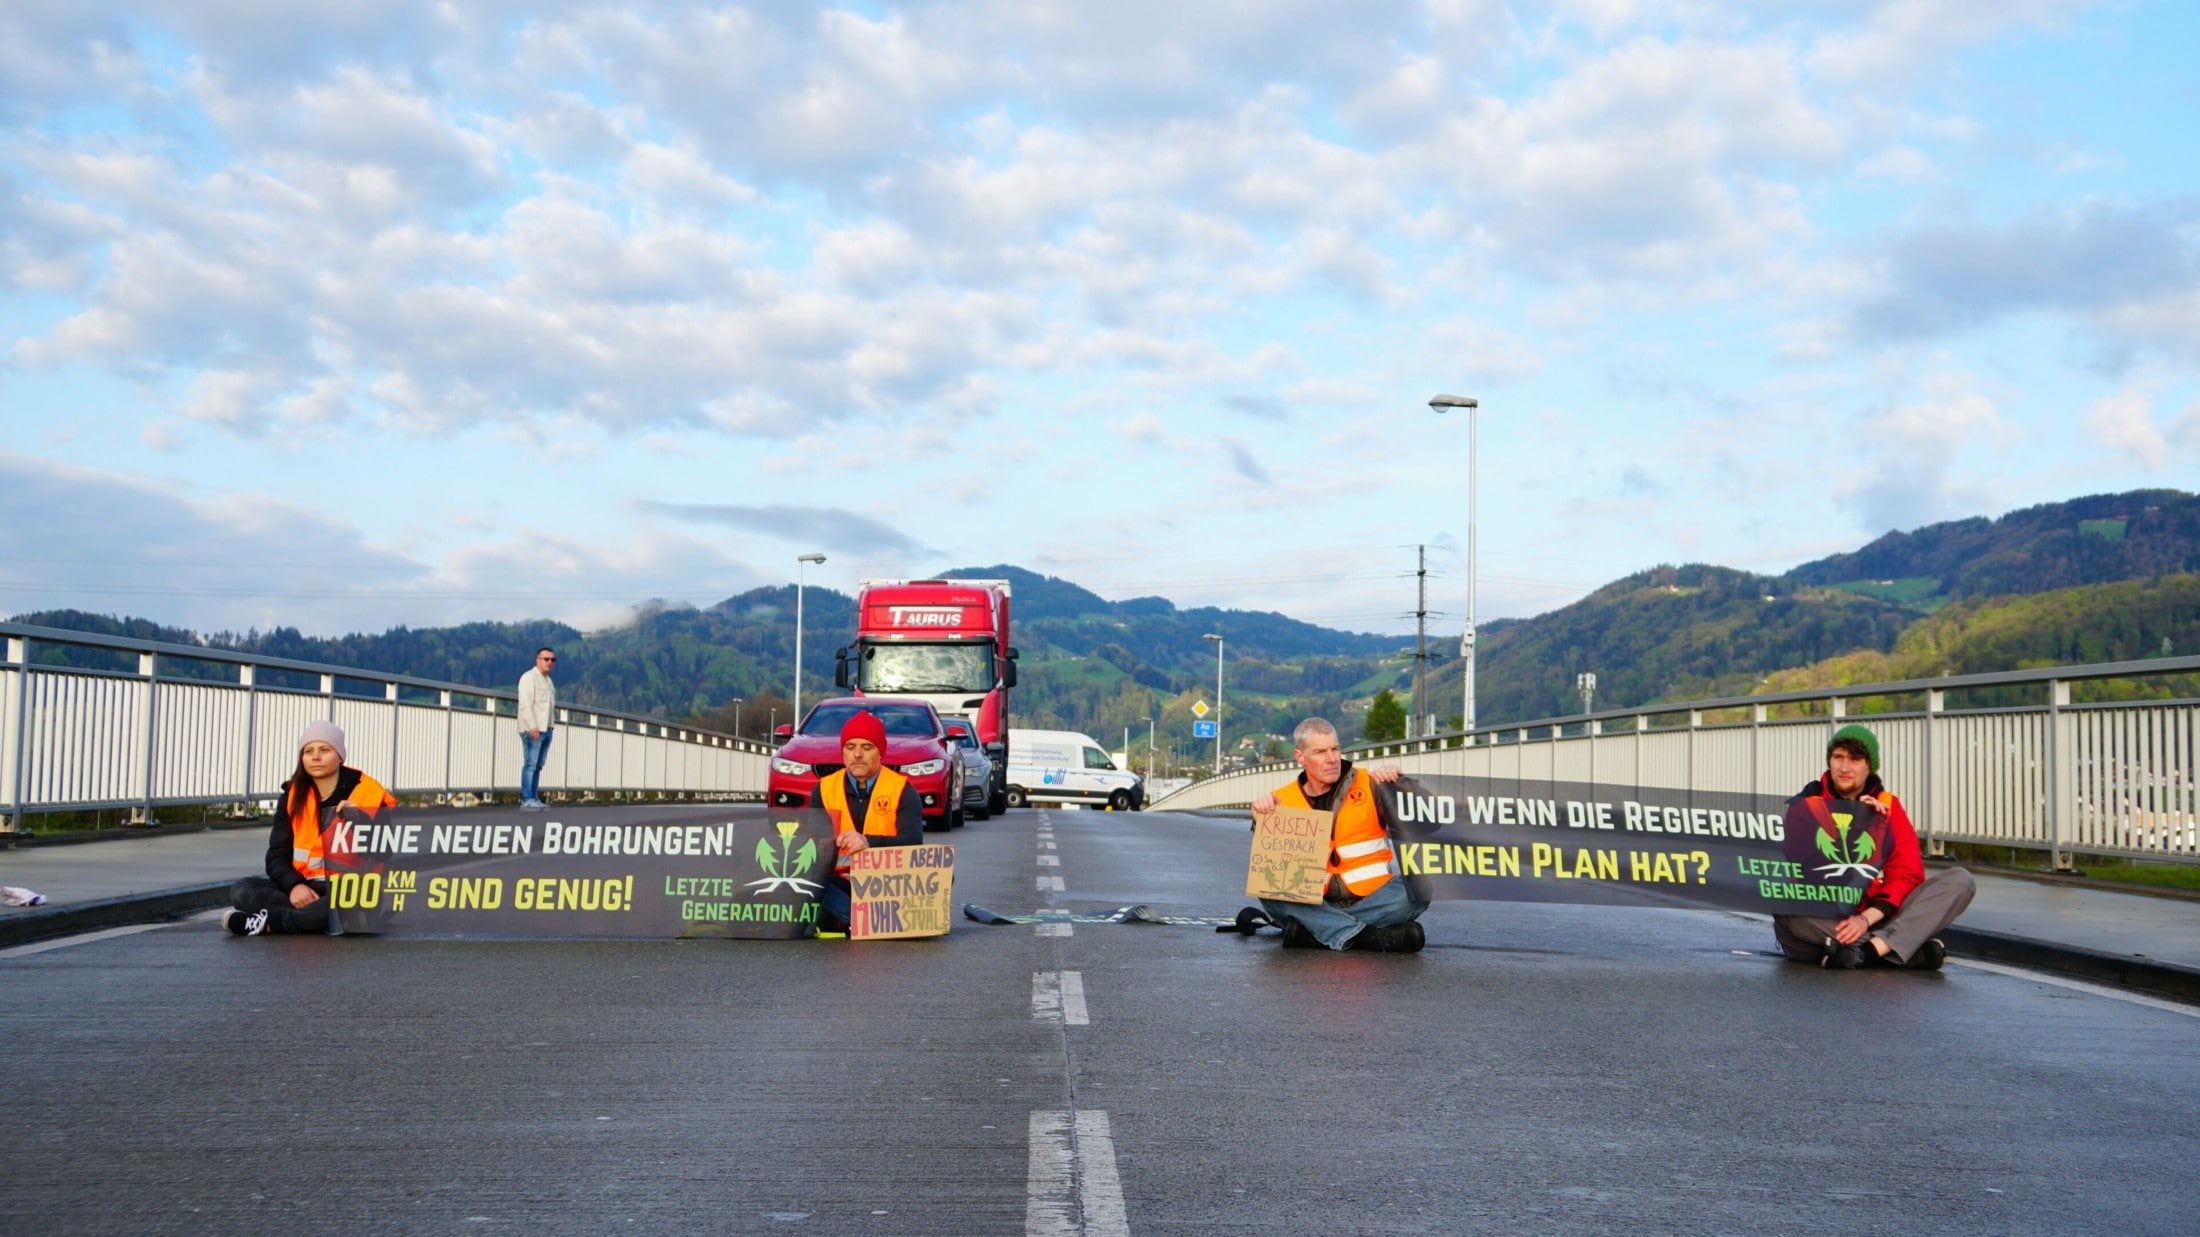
x=1386 y=718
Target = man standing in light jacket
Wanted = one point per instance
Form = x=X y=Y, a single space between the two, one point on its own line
x=538 y=711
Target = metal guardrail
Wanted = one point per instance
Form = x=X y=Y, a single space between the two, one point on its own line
x=192 y=725
x=2117 y=778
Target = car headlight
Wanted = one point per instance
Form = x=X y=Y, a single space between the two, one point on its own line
x=792 y=768
x=925 y=768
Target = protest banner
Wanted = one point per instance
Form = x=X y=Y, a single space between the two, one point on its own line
x=753 y=878
x=896 y=892
x=1290 y=856
x=1538 y=841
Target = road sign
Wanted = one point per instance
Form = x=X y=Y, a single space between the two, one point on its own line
x=1204 y=730
x=1201 y=709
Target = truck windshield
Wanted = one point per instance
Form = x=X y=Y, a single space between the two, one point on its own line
x=959 y=667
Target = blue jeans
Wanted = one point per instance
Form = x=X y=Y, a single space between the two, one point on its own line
x=533 y=751
x=1335 y=925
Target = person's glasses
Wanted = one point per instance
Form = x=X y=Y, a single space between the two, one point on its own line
x=546 y=659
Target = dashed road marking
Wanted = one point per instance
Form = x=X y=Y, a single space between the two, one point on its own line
x=1050 y=861
x=1054 y=929
x=1072 y=1186
x=1046 y=844
x=1059 y=996
x=1051 y=884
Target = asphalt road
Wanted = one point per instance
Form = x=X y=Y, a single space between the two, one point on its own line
x=1539 y=1068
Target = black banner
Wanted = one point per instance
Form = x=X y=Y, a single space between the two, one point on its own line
x=1510 y=841
x=758 y=879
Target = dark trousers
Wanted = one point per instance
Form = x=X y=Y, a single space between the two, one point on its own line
x=1929 y=909
x=253 y=894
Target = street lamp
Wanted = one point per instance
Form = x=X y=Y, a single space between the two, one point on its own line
x=1218 y=698
x=1586 y=684
x=737 y=702
x=1442 y=403
x=1149 y=746
x=800 y=561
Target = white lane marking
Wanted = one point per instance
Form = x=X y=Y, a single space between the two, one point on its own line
x=1099 y=1189
x=39 y=947
x=1072 y=1188
x=2079 y=985
x=1050 y=861
x=1051 y=884
x=1050 y=1202
x=1055 y=929
x=1046 y=844
x=1059 y=996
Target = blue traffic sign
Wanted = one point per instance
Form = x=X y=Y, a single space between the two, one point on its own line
x=1204 y=730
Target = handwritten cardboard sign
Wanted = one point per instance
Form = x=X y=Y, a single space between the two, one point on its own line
x=900 y=891
x=1290 y=860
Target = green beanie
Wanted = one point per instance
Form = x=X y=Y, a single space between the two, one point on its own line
x=1853 y=733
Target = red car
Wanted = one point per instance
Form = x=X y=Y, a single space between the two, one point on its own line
x=917 y=747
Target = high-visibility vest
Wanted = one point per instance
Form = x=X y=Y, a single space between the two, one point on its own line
x=884 y=816
x=1359 y=850
x=308 y=852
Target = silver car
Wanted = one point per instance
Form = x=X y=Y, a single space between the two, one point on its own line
x=977 y=766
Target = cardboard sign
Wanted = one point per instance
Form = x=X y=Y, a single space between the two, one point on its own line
x=1290 y=859
x=900 y=891
x=754 y=878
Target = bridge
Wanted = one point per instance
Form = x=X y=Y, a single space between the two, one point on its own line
x=1560 y=1068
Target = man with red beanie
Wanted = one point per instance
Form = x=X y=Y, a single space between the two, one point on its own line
x=870 y=805
x=1898 y=920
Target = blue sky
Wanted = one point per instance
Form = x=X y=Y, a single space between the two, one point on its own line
x=352 y=314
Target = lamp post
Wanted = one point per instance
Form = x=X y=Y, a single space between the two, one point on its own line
x=1442 y=403
x=1586 y=684
x=1149 y=746
x=737 y=717
x=801 y=560
x=1218 y=698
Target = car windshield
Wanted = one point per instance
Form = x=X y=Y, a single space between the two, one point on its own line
x=965 y=666
x=901 y=719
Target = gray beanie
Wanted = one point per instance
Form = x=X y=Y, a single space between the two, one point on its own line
x=324 y=732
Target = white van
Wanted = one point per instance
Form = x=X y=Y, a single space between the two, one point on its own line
x=1063 y=766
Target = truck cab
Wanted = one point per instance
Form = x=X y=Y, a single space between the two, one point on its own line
x=944 y=642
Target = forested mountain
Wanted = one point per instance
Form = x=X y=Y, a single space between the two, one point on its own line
x=2101 y=578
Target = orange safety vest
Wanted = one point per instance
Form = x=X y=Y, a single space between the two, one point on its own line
x=885 y=810
x=308 y=853
x=1359 y=850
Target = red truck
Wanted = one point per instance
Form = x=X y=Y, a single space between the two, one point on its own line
x=944 y=642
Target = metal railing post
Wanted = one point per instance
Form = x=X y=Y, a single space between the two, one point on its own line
x=1935 y=701
x=2059 y=779
x=389 y=693
x=1757 y=715
x=250 y=680
x=19 y=652
x=149 y=667
x=450 y=729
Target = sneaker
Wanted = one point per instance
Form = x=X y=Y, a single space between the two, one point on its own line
x=241 y=924
x=1295 y=935
x=233 y=920
x=1842 y=958
x=532 y=805
x=1404 y=938
x=1928 y=957
x=1249 y=921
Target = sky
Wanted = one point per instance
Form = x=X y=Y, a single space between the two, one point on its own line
x=346 y=315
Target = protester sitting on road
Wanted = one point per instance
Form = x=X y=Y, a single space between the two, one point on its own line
x=870 y=805
x=293 y=896
x=1366 y=905
x=1899 y=918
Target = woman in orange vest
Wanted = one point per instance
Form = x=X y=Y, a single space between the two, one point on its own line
x=870 y=805
x=293 y=896
x=1366 y=905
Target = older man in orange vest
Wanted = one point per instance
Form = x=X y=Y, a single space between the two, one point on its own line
x=870 y=805
x=1366 y=905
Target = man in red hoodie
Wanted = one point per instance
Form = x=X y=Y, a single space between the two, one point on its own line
x=1899 y=918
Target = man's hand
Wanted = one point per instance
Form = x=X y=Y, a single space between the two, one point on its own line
x=1264 y=805
x=534 y=734
x=1851 y=929
x=850 y=842
x=302 y=896
x=1385 y=773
